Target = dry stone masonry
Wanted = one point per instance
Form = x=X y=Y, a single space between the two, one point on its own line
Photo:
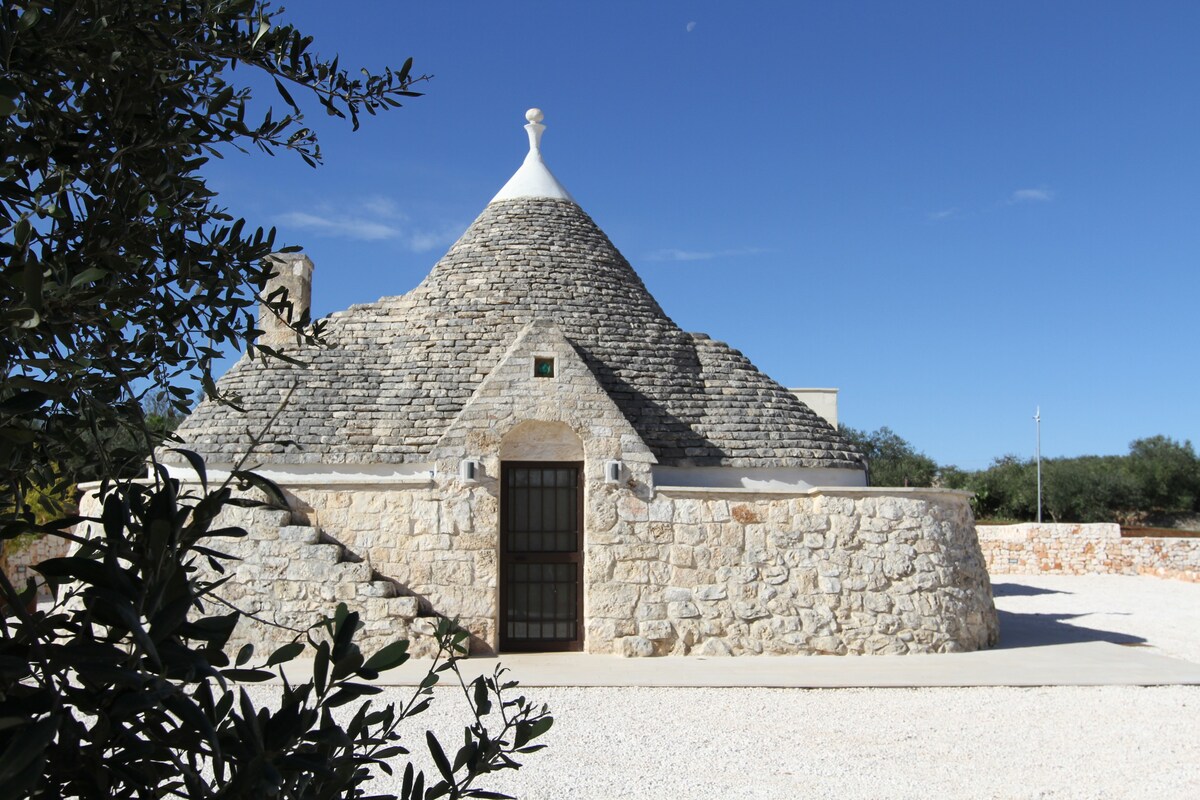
x=700 y=521
x=1087 y=549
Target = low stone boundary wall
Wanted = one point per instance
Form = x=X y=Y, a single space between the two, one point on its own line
x=17 y=560
x=1086 y=549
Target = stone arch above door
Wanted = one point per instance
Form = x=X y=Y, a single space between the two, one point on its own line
x=540 y=440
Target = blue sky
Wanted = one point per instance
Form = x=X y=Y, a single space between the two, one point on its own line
x=953 y=212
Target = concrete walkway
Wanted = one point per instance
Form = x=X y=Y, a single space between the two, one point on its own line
x=1055 y=631
x=1076 y=664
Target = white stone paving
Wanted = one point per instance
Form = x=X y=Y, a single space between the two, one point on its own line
x=984 y=742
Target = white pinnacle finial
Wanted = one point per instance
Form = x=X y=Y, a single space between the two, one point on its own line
x=533 y=179
x=535 y=128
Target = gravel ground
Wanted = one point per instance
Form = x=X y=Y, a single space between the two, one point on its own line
x=1051 y=742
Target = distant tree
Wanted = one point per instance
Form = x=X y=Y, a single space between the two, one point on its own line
x=1005 y=490
x=1090 y=489
x=891 y=460
x=1167 y=474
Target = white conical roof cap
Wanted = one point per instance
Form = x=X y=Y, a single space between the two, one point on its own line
x=533 y=179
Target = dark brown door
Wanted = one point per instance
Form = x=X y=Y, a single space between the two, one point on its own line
x=541 y=566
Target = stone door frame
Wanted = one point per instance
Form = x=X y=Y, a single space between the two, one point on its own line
x=575 y=557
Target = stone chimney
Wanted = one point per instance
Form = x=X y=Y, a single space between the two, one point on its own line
x=293 y=272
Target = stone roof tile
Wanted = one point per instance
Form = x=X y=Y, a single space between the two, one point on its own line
x=393 y=374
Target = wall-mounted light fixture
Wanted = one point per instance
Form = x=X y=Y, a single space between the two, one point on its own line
x=468 y=470
x=612 y=471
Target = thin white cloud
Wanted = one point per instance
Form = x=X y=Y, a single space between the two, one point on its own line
x=1039 y=195
x=945 y=213
x=383 y=207
x=345 y=227
x=372 y=219
x=674 y=254
x=425 y=240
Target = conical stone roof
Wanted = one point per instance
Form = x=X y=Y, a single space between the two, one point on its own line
x=395 y=373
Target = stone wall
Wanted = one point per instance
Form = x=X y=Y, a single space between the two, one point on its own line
x=693 y=571
x=1092 y=549
x=832 y=571
x=288 y=574
x=674 y=571
x=17 y=559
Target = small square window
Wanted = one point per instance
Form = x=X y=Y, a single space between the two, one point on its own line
x=543 y=367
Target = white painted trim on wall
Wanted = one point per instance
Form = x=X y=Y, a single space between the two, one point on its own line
x=788 y=479
x=420 y=474
x=850 y=491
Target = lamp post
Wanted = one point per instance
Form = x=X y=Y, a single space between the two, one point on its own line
x=1037 y=418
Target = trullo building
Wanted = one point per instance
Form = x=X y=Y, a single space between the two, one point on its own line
x=527 y=442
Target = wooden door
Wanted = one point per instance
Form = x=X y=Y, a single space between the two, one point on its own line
x=541 y=563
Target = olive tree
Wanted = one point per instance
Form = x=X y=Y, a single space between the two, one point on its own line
x=123 y=275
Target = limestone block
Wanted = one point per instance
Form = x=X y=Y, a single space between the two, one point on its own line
x=775 y=574
x=639 y=551
x=631 y=572
x=660 y=573
x=601 y=515
x=657 y=630
x=452 y=572
x=636 y=646
x=661 y=509
x=829 y=645
x=749 y=610
x=431 y=541
x=658 y=532
x=889 y=508
x=424 y=626
x=612 y=600
x=689 y=533
x=683 y=576
x=713 y=648
x=463 y=601
x=725 y=556
x=650 y=610
x=731 y=536
x=399 y=607
x=758 y=556
x=460 y=515
x=785 y=539
x=599 y=635
x=896 y=567
x=688 y=511
x=682 y=556
x=717 y=511
x=598 y=566
x=632 y=509
x=711 y=592
x=682 y=610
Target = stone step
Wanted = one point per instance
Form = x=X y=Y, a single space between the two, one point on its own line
x=274 y=516
x=264 y=522
x=301 y=534
x=322 y=553
x=387 y=607
x=351 y=572
x=382 y=588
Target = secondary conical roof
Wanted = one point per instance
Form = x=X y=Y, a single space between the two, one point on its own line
x=396 y=372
